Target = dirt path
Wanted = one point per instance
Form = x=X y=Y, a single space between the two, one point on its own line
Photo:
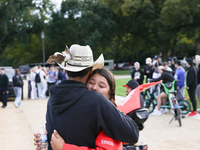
x=17 y=126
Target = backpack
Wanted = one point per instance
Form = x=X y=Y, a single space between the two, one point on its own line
x=18 y=82
x=37 y=78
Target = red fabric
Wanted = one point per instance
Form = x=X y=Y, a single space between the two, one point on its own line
x=132 y=101
x=103 y=142
x=74 y=147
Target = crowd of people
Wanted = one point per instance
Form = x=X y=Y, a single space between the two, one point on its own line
x=188 y=78
x=85 y=103
x=39 y=80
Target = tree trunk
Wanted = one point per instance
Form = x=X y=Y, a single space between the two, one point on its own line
x=164 y=55
x=197 y=48
x=174 y=49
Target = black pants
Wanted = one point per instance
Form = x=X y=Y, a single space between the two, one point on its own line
x=3 y=96
x=191 y=93
x=29 y=89
x=49 y=84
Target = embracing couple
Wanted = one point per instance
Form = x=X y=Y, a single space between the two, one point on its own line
x=81 y=112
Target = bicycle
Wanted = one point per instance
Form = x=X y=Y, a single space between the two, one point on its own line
x=151 y=100
x=178 y=107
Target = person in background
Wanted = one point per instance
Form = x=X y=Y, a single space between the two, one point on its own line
x=131 y=85
x=42 y=84
x=156 y=75
x=172 y=66
x=46 y=79
x=180 y=76
x=33 y=84
x=29 y=83
x=148 y=70
x=159 y=61
x=61 y=75
x=167 y=68
x=155 y=61
x=137 y=73
x=196 y=60
x=191 y=81
x=165 y=77
x=4 y=81
x=52 y=77
x=17 y=88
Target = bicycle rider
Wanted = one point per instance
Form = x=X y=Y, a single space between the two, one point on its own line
x=165 y=77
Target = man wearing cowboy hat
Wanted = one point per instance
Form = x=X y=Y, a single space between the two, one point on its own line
x=78 y=114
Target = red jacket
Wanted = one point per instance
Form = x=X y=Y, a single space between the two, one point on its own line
x=103 y=142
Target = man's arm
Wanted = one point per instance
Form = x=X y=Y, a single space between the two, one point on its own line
x=116 y=124
x=158 y=79
x=7 y=82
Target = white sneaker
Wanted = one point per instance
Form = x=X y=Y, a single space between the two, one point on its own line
x=156 y=113
x=172 y=111
x=162 y=110
x=15 y=105
x=198 y=109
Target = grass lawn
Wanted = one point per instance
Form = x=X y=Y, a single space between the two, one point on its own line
x=186 y=95
x=121 y=91
x=121 y=72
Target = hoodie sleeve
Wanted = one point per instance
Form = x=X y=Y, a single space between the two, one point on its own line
x=116 y=124
x=159 y=78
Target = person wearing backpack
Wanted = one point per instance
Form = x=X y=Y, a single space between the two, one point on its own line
x=53 y=75
x=41 y=83
x=17 y=85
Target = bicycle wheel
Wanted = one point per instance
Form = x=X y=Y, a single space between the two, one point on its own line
x=149 y=105
x=184 y=107
x=178 y=116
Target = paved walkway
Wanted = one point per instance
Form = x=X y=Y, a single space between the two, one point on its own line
x=17 y=126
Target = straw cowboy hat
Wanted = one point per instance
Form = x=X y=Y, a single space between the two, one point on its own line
x=76 y=59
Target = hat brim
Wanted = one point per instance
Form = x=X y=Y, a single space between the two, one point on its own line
x=98 y=64
x=126 y=86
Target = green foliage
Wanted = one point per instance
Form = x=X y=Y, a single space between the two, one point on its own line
x=19 y=19
x=120 y=29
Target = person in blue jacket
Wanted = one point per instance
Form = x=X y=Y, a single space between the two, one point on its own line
x=180 y=76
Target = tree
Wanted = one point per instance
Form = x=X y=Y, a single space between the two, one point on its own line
x=18 y=20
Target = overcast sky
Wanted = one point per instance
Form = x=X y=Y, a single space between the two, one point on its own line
x=57 y=2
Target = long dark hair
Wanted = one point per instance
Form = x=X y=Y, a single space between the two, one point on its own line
x=111 y=81
x=16 y=71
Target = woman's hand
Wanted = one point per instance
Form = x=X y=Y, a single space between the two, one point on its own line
x=37 y=139
x=57 y=141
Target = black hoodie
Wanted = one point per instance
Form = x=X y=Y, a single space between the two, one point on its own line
x=78 y=115
x=191 y=79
